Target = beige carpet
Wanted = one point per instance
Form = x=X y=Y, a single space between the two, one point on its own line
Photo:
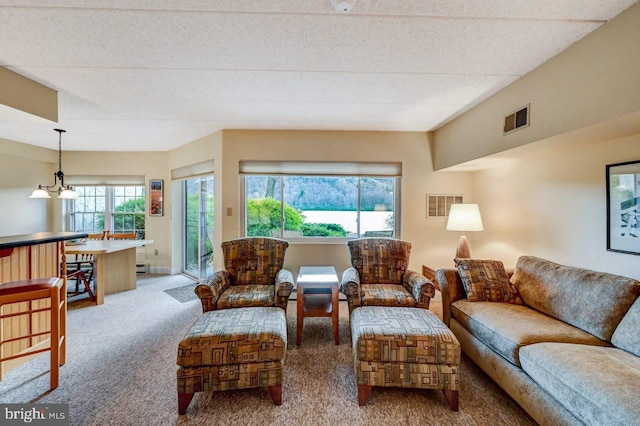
x=121 y=371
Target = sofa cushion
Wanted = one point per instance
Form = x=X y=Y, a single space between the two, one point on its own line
x=486 y=280
x=598 y=385
x=593 y=301
x=386 y=295
x=626 y=335
x=244 y=296
x=506 y=328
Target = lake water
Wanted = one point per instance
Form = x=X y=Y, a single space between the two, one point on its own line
x=369 y=221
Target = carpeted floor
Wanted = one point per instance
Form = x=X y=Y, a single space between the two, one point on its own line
x=121 y=369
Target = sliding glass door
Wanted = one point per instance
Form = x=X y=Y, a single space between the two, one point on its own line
x=198 y=226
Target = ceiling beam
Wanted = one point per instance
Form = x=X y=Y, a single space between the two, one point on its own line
x=24 y=100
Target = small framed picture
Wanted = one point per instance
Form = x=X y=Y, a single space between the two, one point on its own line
x=623 y=207
x=156 y=204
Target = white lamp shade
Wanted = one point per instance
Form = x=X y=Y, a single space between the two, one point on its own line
x=68 y=194
x=464 y=217
x=39 y=193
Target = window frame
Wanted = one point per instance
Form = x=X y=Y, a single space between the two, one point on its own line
x=109 y=213
x=397 y=185
x=202 y=211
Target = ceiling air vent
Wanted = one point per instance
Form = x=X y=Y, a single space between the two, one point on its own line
x=516 y=120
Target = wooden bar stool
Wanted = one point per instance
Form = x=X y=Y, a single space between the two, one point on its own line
x=53 y=289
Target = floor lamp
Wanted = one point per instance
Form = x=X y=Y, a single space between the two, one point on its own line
x=464 y=218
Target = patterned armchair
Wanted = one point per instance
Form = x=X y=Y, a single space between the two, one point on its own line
x=379 y=276
x=253 y=276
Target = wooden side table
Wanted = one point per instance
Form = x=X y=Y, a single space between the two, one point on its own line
x=317 y=296
x=430 y=274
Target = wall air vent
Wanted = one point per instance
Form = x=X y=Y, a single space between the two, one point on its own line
x=517 y=120
x=439 y=205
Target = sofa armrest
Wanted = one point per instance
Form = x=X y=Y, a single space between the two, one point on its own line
x=284 y=286
x=211 y=288
x=350 y=286
x=451 y=289
x=420 y=288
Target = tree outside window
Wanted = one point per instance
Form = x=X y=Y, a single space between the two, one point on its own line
x=118 y=209
x=319 y=206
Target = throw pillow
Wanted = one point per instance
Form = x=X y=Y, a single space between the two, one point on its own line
x=486 y=280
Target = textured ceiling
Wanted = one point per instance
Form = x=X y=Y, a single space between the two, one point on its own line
x=136 y=75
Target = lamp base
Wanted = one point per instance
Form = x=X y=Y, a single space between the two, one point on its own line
x=463 y=251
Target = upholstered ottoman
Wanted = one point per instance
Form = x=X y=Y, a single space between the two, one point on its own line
x=233 y=349
x=404 y=347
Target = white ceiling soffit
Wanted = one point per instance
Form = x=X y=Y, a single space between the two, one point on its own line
x=136 y=75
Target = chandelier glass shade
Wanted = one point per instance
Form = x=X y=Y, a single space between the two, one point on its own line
x=63 y=191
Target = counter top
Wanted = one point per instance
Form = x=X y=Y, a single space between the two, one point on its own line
x=38 y=238
x=104 y=246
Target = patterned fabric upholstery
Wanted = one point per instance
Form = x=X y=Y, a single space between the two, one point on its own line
x=420 y=288
x=404 y=347
x=233 y=349
x=380 y=260
x=386 y=295
x=245 y=296
x=235 y=336
x=211 y=288
x=253 y=276
x=254 y=260
x=407 y=375
x=486 y=280
x=380 y=275
x=228 y=377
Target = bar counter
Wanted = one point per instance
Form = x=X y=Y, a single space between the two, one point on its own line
x=22 y=257
x=38 y=238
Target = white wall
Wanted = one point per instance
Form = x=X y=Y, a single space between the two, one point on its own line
x=20 y=177
x=22 y=169
x=432 y=245
x=553 y=207
x=151 y=165
x=595 y=80
x=203 y=149
x=541 y=189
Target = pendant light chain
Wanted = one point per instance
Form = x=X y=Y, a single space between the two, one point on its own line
x=60 y=131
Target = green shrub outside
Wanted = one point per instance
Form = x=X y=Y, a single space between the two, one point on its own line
x=263 y=217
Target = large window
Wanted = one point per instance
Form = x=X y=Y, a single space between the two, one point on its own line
x=118 y=209
x=289 y=206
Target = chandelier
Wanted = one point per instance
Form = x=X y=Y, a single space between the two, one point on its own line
x=63 y=191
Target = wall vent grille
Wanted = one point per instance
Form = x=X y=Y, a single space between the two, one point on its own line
x=439 y=205
x=517 y=120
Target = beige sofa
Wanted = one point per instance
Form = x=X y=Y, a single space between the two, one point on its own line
x=569 y=355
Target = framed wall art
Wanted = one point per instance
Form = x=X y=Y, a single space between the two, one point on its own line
x=623 y=207
x=156 y=203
